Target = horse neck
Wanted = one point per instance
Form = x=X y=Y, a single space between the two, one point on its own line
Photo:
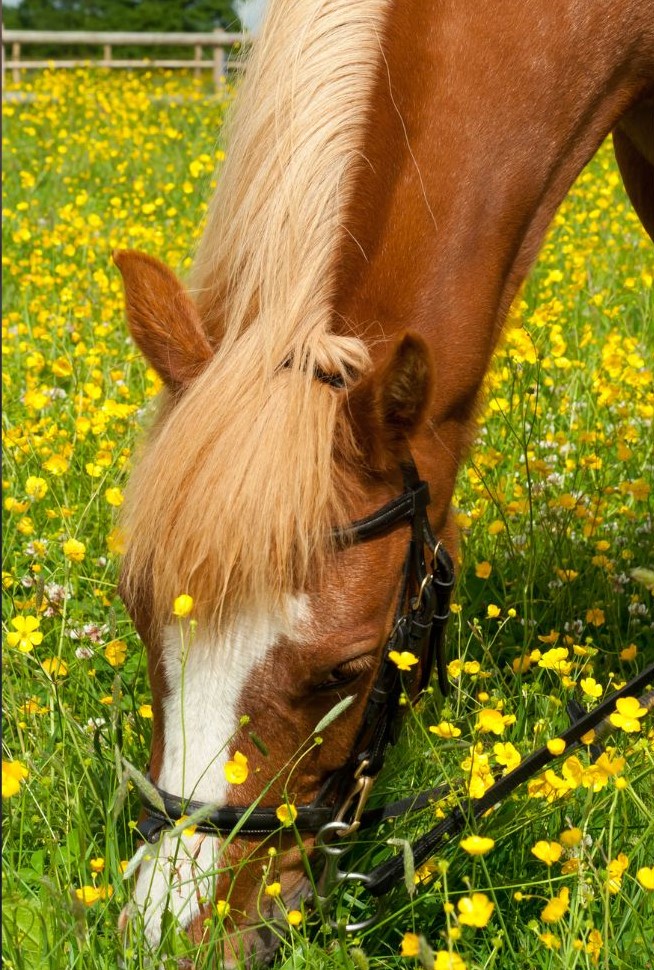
x=482 y=117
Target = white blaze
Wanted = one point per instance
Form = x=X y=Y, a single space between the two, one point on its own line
x=205 y=678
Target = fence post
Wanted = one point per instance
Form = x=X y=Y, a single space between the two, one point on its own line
x=106 y=55
x=15 y=56
x=197 y=56
x=3 y=57
x=218 y=64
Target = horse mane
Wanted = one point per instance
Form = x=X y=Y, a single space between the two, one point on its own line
x=241 y=481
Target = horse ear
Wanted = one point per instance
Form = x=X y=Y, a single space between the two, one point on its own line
x=390 y=404
x=163 y=319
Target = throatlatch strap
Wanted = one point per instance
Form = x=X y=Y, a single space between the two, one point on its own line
x=383 y=878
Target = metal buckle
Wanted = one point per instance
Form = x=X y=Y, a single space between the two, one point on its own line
x=333 y=877
x=361 y=792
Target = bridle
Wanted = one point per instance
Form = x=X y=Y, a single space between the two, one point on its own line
x=420 y=619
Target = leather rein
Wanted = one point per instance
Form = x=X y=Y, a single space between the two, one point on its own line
x=420 y=619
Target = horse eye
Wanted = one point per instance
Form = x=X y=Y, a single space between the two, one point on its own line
x=345 y=673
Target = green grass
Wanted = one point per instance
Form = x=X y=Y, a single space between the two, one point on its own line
x=555 y=506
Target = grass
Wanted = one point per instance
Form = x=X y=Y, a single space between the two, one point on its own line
x=555 y=507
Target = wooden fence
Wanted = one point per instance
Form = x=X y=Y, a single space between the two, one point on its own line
x=220 y=43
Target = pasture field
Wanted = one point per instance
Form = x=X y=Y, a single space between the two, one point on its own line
x=554 y=599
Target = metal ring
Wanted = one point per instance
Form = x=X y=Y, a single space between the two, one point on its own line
x=330 y=828
x=361 y=924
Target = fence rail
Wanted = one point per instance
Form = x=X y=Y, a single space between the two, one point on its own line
x=220 y=42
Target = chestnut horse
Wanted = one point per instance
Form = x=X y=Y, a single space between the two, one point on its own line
x=392 y=169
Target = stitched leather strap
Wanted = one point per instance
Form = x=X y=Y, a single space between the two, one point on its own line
x=384 y=877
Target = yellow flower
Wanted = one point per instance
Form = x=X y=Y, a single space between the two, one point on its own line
x=507 y=755
x=183 y=605
x=145 y=710
x=97 y=865
x=629 y=653
x=556 y=746
x=32 y=706
x=557 y=907
x=627 y=714
x=236 y=770
x=294 y=917
x=74 y=550
x=114 y=496
x=454 y=669
x=594 y=945
x=190 y=829
x=492 y=611
x=608 y=767
x=645 y=877
x=404 y=660
x=615 y=871
x=89 y=895
x=273 y=889
x=55 y=667
x=483 y=570
x=426 y=872
x=595 y=617
x=115 y=652
x=27 y=634
x=475 y=910
x=571 y=837
x=556 y=659
x=13 y=505
x=548 y=852
x=496 y=527
x=62 y=367
x=13 y=773
x=410 y=946
x=286 y=814
x=222 y=908
x=567 y=575
x=590 y=687
x=471 y=667
x=445 y=730
x=492 y=721
x=36 y=487
x=444 y=960
x=550 y=941
x=57 y=465
x=550 y=637
x=116 y=541
x=477 y=844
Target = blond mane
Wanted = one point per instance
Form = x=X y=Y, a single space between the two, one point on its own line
x=240 y=483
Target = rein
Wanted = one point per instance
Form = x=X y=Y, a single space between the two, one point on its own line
x=386 y=876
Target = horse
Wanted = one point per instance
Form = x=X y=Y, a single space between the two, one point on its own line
x=392 y=168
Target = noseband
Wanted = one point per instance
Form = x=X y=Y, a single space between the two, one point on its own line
x=420 y=619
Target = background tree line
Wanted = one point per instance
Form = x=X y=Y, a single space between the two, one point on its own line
x=132 y=15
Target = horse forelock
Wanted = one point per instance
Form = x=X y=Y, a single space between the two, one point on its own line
x=238 y=487
x=237 y=491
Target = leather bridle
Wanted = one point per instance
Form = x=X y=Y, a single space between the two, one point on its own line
x=420 y=619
